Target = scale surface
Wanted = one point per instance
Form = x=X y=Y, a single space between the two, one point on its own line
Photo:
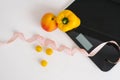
x=100 y=22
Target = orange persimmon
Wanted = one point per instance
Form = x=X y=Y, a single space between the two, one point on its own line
x=48 y=22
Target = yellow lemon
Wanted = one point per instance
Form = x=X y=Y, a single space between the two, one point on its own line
x=49 y=51
x=44 y=63
x=38 y=48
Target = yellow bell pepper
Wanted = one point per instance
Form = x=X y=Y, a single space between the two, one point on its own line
x=67 y=20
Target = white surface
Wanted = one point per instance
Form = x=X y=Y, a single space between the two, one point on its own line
x=19 y=60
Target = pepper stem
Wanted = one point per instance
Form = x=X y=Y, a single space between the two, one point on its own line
x=65 y=20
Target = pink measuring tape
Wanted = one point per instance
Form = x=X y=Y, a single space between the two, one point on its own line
x=48 y=42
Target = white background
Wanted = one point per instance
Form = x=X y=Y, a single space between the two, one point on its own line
x=19 y=60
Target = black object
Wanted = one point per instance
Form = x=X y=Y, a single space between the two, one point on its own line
x=117 y=1
x=100 y=22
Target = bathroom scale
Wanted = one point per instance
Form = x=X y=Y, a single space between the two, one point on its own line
x=100 y=22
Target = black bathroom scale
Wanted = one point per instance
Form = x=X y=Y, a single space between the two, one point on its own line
x=100 y=22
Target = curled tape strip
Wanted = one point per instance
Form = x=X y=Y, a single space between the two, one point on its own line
x=48 y=42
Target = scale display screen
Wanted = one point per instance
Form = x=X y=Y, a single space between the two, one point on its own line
x=84 y=41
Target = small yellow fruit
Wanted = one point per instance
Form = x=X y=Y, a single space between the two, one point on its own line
x=44 y=63
x=38 y=48
x=49 y=51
